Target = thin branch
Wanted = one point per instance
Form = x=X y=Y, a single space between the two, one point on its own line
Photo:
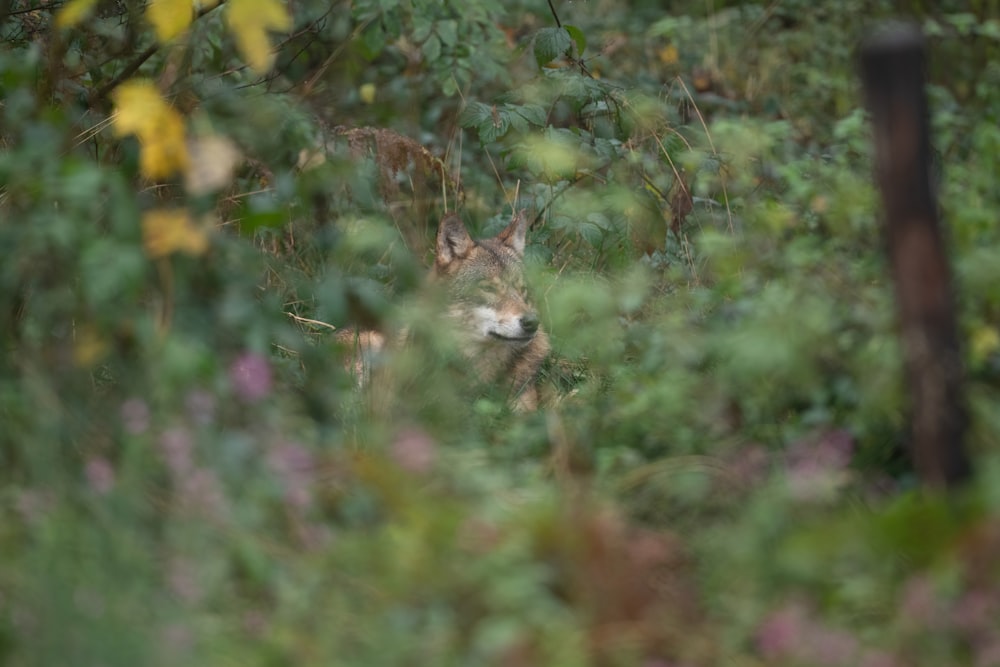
x=129 y=70
x=134 y=66
x=306 y=320
x=318 y=74
x=554 y=15
x=28 y=10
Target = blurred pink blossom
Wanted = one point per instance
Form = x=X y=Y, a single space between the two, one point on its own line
x=750 y=464
x=177 y=446
x=791 y=633
x=182 y=579
x=294 y=466
x=919 y=604
x=831 y=451
x=201 y=491
x=987 y=654
x=976 y=613
x=100 y=475
x=779 y=635
x=818 y=466
x=876 y=658
x=413 y=450
x=830 y=646
x=250 y=376
x=135 y=416
x=200 y=405
x=33 y=504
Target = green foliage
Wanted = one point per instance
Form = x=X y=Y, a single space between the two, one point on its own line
x=189 y=473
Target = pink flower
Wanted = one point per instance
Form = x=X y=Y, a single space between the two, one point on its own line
x=250 y=376
x=413 y=450
x=202 y=491
x=792 y=633
x=779 y=635
x=920 y=605
x=177 y=446
x=200 y=405
x=975 y=613
x=100 y=475
x=987 y=655
x=33 y=504
x=818 y=467
x=182 y=578
x=830 y=452
x=876 y=658
x=135 y=416
x=294 y=465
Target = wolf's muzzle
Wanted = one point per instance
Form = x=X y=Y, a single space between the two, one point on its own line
x=529 y=324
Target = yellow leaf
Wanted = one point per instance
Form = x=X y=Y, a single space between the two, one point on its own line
x=984 y=341
x=249 y=21
x=140 y=110
x=170 y=18
x=367 y=93
x=73 y=12
x=136 y=103
x=166 y=231
x=164 y=152
x=88 y=347
x=819 y=204
x=669 y=55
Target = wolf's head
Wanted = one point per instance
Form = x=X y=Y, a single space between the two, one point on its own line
x=485 y=283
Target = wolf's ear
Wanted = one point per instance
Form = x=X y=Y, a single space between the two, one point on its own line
x=453 y=240
x=514 y=235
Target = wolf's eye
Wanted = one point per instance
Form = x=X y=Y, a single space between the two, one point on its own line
x=489 y=288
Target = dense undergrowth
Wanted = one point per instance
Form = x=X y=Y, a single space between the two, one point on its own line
x=718 y=475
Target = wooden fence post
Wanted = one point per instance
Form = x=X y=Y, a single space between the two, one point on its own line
x=893 y=63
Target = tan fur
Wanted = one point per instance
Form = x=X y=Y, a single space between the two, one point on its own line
x=497 y=328
x=485 y=282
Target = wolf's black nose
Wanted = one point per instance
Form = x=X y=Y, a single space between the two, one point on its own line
x=529 y=323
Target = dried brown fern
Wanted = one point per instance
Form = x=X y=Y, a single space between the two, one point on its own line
x=413 y=182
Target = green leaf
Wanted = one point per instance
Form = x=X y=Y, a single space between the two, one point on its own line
x=432 y=49
x=964 y=22
x=532 y=113
x=111 y=270
x=371 y=43
x=990 y=29
x=251 y=221
x=578 y=38
x=493 y=129
x=550 y=43
x=474 y=114
x=516 y=120
x=421 y=28
x=448 y=32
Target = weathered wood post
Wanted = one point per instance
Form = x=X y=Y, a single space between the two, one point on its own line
x=893 y=63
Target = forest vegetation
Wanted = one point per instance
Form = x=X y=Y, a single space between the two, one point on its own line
x=195 y=198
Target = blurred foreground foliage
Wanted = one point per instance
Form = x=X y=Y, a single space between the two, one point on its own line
x=191 y=201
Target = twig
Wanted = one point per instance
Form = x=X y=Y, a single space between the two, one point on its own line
x=554 y=15
x=306 y=320
x=311 y=82
x=134 y=66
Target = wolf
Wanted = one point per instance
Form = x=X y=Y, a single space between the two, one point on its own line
x=494 y=324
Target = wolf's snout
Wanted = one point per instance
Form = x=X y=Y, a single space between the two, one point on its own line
x=529 y=323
